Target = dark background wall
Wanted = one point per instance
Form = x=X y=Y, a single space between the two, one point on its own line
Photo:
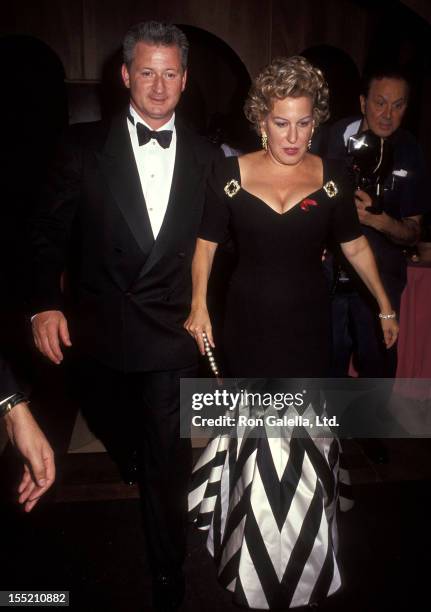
x=86 y=33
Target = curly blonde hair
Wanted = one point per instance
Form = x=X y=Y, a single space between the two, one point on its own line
x=287 y=77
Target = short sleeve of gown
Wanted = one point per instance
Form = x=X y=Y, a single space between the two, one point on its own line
x=216 y=214
x=345 y=222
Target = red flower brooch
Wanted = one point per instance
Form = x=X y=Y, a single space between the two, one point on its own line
x=305 y=204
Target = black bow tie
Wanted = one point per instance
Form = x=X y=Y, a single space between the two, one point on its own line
x=163 y=137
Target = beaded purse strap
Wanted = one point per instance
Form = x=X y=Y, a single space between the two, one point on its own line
x=210 y=355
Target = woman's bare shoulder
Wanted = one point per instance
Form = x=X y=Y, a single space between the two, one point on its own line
x=314 y=166
x=314 y=160
x=250 y=159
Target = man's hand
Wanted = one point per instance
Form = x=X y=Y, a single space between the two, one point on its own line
x=49 y=329
x=363 y=201
x=405 y=231
x=39 y=467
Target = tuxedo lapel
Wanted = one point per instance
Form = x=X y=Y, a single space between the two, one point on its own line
x=187 y=175
x=119 y=168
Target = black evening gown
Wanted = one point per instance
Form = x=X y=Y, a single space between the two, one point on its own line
x=269 y=503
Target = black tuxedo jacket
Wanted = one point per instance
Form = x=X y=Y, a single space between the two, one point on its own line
x=129 y=294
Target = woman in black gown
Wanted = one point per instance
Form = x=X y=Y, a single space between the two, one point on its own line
x=271 y=522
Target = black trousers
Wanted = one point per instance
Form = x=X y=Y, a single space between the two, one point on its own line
x=137 y=417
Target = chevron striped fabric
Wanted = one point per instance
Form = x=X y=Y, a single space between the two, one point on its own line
x=269 y=506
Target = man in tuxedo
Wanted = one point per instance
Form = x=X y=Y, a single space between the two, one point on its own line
x=121 y=213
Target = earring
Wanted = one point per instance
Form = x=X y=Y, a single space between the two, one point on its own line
x=264 y=139
x=311 y=140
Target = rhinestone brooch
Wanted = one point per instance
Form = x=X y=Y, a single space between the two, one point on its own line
x=231 y=188
x=331 y=189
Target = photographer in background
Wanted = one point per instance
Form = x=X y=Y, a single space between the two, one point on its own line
x=27 y=437
x=356 y=329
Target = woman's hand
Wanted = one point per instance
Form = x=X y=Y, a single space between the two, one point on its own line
x=390 y=329
x=198 y=322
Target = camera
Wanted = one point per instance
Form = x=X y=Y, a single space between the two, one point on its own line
x=372 y=159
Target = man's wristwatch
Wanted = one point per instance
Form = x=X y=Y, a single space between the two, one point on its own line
x=7 y=405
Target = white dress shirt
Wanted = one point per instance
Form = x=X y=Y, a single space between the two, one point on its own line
x=155 y=167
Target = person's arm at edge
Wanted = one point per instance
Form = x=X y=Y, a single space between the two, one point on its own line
x=39 y=467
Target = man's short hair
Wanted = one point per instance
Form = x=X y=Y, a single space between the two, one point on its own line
x=155 y=33
x=383 y=71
